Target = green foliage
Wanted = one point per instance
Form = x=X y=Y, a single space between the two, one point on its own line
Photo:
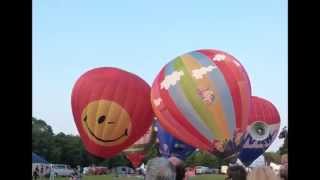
x=151 y=153
x=276 y=156
x=60 y=148
x=272 y=157
x=42 y=138
x=199 y=158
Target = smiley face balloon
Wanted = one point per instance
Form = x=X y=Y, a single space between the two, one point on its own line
x=111 y=109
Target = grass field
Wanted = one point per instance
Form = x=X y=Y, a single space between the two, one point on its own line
x=208 y=177
x=109 y=177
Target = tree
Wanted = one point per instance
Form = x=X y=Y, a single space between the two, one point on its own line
x=152 y=152
x=119 y=160
x=60 y=148
x=272 y=157
x=284 y=148
x=204 y=159
x=276 y=156
x=41 y=138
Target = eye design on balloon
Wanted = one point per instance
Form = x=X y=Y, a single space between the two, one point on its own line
x=101 y=119
x=259 y=130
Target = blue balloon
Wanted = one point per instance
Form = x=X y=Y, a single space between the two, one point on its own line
x=253 y=148
x=170 y=146
x=247 y=156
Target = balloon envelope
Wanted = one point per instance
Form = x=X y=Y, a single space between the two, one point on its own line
x=136 y=152
x=170 y=146
x=111 y=109
x=203 y=98
x=135 y=158
x=264 y=124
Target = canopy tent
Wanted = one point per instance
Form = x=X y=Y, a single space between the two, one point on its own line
x=38 y=159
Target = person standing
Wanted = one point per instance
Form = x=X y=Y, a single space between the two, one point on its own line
x=284 y=167
x=36 y=173
x=237 y=172
x=160 y=169
x=51 y=172
x=46 y=171
x=79 y=172
x=41 y=172
x=262 y=173
x=179 y=167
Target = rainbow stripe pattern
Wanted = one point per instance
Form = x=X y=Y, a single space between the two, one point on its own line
x=202 y=96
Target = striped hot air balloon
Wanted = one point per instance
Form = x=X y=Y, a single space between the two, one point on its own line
x=203 y=98
x=264 y=124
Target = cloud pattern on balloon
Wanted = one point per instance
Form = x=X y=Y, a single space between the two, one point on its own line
x=171 y=79
x=199 y=73
x=219 y=57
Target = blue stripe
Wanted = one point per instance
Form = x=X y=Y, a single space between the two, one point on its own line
x=222 y=88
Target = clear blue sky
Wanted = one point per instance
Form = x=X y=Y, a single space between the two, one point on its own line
x=73 y=36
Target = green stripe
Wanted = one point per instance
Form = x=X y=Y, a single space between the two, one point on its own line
x=190 y=89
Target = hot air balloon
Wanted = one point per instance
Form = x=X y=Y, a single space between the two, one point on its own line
x=111 y=109
x=170 y=146
x=264 y=124
x=203 y=98
x=137 y=151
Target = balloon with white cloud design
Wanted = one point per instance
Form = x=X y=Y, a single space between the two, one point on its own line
x=203 y=98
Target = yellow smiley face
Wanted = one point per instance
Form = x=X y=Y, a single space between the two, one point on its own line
x=106 y=122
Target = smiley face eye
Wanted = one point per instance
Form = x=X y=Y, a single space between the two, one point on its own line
x=101 y=119
x=85 y=118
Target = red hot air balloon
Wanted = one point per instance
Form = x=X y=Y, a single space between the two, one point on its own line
x=111 y=109
x=203 y=98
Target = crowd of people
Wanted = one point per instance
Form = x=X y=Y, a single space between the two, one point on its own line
x=161 y=168
x=41 y=171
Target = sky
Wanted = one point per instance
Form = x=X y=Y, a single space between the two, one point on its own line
x=74 y=36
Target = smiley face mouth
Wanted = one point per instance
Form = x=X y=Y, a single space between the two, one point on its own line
x=108 y=140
